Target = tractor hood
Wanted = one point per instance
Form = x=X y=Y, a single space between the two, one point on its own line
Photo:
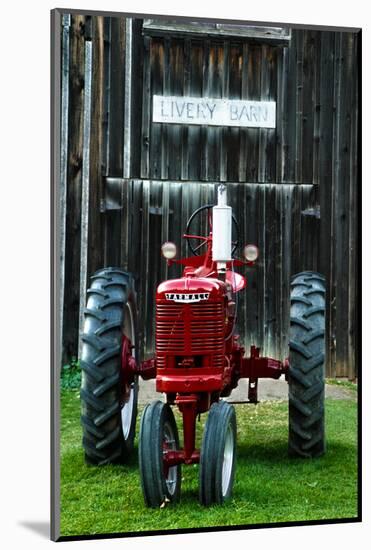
x=191 y=289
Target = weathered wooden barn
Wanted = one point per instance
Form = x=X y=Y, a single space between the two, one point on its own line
x=128 y=182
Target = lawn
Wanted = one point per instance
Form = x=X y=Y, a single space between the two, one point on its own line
x=269 y=486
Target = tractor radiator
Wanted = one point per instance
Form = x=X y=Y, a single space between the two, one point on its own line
x=185 y=330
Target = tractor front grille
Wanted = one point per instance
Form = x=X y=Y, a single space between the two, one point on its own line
x=190 y=330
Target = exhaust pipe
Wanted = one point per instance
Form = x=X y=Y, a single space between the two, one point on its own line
x=222 y=231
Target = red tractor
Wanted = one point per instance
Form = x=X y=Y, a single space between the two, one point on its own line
x=198 y=361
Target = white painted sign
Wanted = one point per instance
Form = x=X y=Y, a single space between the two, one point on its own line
x=214 y=112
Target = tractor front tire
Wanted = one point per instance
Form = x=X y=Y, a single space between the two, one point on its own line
x=108 y=410
x=306 y=376
x=158 y=433
x=218 y=454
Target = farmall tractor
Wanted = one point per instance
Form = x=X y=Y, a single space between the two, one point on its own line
x=198 y=361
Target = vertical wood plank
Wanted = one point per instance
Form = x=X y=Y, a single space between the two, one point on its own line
x=244 y=132
x=74 y=186
x=205 y=129
x=215 y=91
x=147 y=109
x=355 y=209
x=137 y=96
x=156 y=146
x=85 y=192
x=176 y=89
x=299 y=107
x=289 y=149
x=64 y=109
x=308 y=108
x=223 y=166
x=95 y=233
x=194 y=132
x=254 y=68
x=342 y=186
x=234 y=92
x=187 y=91
x=317 y=46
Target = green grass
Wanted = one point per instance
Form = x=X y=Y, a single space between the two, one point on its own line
x=269 y=487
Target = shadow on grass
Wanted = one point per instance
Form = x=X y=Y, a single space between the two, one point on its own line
x=277 y=451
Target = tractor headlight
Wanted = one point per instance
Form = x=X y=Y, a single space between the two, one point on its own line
x=251 y=252
x=168 y=250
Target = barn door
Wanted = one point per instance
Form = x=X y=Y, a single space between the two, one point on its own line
x=175 y=168
x=214 y=67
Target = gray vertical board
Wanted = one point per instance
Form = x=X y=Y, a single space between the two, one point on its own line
x=309 y=227
x=137 y=103
x=176 y=226
x=74 y=187
x=176 y=89
x=280 y=113
x=261 y=272
x=269 y=92
x=290 y=124
x=151 y=244
x=125 y=227
x=214 y=90
x=187 y=92
x=166 y=216
x=121 y=137
x=244 y=132
x=96 y=227
x=205 y=92
x=146 y=109
x=299 y=107
x=56 y=297
x=342 y=186
x=65 y=69
x=271 y=269
x=136 y=220
x=325 y=176
x=354 y=208
x=223 y=162
x=107 y=25
x=158 y=87
x=234 y=92
x=254 y=64
x=127 y=97
x=163 y=127
x=308 y=106
x=85 y=188
x=144 y=267
x=194 y=132
x=286 y=270
x=295 y=233
x=317 y=47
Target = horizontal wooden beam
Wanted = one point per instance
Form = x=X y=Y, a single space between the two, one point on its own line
x=258 y=33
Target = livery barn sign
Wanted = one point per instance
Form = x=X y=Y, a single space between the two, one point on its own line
x=214 y=112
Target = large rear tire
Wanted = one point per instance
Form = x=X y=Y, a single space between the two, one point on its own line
x=306 y=374
x=108 y=400
x=218 y=454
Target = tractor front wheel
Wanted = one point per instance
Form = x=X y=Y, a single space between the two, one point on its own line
x=218 y=454
x=158 y=434
x=306 y=375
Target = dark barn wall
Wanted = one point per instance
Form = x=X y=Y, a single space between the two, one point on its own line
x=293 y=188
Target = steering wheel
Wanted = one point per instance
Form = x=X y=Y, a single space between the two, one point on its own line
x=196 y=250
